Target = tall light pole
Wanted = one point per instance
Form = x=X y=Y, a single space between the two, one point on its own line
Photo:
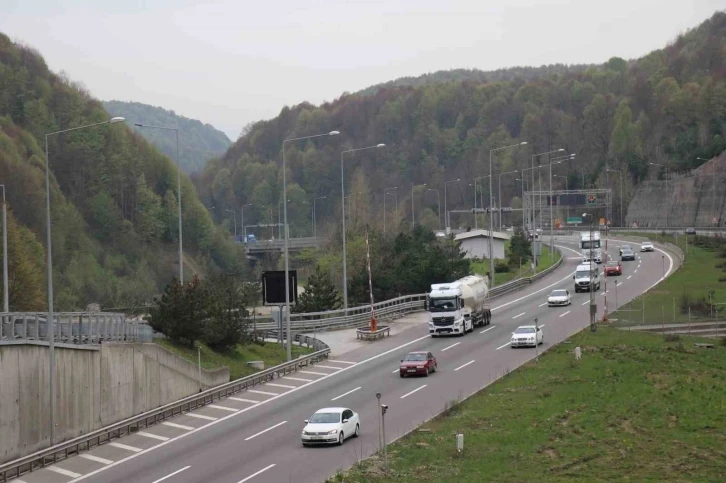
x=178 y=189
x=620 y=172
x=342 y=198
x=315 y=215
x=552 y=218
x=234 y=217
x=49 y=323
x=438 y=200
x=476 y=222
x=667 y=198
x=521 y=181
x=566 y=189
x=242 y=219
x=385 y=195
x=6 y=298
x=593 y=307
x=713 y=177
x=447 y=222
x=500 y=195
x=491 y=205
x=287 y=258
x=413 y=207
x=533 y=220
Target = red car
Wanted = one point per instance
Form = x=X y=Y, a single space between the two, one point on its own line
x=417 y=363
x=613 y=267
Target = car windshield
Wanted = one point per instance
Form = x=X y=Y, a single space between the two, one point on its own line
x=524 y=330
x=582 y=274
x=627 y=250
x=325 y=418
x=415 y=357
x=558 y=293
x=647 y=244
x=443 y=305
x=590 y=244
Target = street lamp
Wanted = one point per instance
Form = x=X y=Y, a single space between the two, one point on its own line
x=476 y=221
x=242 y=219
x=234 y=217
x=552 y=221
x=500 y=194
x=50 y=325
x=713 y=177
x=178 y=189
x=287 y=261
x=622 y=220
x=533 y=221
x=566 y=189
x=385 y=195
x=666 y=195
x=438 y=201
x=491 y=205
x=413 y=208
x=6 y=298
x=342 y=197
x=315 y=216
x=447 y=221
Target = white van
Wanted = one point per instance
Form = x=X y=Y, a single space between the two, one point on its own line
x=585 y=275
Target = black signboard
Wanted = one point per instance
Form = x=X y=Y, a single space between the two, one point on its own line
x=273 y=287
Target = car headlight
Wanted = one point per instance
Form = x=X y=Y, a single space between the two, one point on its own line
x=332 y=431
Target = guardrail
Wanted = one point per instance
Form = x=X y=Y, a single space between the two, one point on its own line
x=74 y=446
x=72 y=328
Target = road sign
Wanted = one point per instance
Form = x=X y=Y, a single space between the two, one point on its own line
x=574 y=220
x=273 y=287
x=591 y=199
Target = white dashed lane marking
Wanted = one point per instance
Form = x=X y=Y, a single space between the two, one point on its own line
x=223 y=408
x=564 y=314
x=452 y=345
x=461 y=367
x=152 y=436
x=487 y=330
x=172 y=474
x=178 y=426
x=200 y=416
x=265 y=430
x=126 y=447
x=345 y=394
x=519 y=315
x=61 y=471
x=313 y=373
x=243 y=400
x=254 y=391
x=505 y=345
x=284 y=386
x=97 y=459
x=300 y=379
x=415 y=390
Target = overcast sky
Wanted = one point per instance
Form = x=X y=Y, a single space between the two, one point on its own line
x=231 y=62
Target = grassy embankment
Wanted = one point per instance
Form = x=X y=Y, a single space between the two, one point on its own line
x=704 y=270
x=544 y=261
x=636 y=407
x=271 y=353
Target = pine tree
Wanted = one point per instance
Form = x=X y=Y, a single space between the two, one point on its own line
x=319 y=295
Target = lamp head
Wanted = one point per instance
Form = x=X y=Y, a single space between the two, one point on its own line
x=523 y=143
x=114 y=120
x=333 y=133
x=560 y=150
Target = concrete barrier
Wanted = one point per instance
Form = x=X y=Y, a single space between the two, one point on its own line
x=96 y=386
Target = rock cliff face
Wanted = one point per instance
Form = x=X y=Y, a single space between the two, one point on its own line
x=689 y=200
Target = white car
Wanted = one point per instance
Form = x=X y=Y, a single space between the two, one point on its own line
x=559 y=297
x=331 y=426
x=647 y=247
x=524 y=336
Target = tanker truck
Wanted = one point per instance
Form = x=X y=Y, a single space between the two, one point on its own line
x=458 y=307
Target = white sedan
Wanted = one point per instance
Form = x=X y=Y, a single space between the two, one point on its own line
x=647 y=247
x=331 y=426
x=559 y=297
x=525 y=336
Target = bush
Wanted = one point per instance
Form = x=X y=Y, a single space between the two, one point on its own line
x=501 y=266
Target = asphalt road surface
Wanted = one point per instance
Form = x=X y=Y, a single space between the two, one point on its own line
x=255 y=436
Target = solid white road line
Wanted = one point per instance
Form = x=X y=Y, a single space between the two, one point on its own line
x=72 y=474
x=254 y=391
x=327 y=367
x=223 y=408
x=255 y=474
x=266 y=430
x=461 y=367
x=97 y=459
x=179 y=426
x=284 y=386
x=636 y=271
x=318 y=373
x=243 y=400
x=201 y=416
x=452 y=345
x=349 y=392
x=505 y=345
x=519 y=315
x=297 y=379
x=152 y=436
x=342 y=362
x=565 y=313
x=126 y=447
x=487 y=330
x=172 y=474
x=415 y=390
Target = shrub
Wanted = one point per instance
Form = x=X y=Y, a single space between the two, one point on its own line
x=501 y=266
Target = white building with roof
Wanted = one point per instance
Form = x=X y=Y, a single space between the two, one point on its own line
x=475 y=243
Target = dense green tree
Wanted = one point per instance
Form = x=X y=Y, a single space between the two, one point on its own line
x=520 y=248
x=25 y=269
x=320 y=294
x=225 y=324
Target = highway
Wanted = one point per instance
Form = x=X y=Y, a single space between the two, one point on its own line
x=255 y=436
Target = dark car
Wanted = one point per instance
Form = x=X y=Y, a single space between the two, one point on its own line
x=627 y=254
x=417 y=363
x=690 y=231
x=613 y=267
x=625 y=247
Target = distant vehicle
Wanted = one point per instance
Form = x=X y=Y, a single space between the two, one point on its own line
x=590 y=245
x=627 y=254
x=647 y=247
x=559 y=297
x=587 y=275
x=623 y=248
x=613 y=267
x=417 y=363
x=331 y=426
x=690 y=231
x=440 y=234
x=458 y=307
x=527 y=336
x=249 y=238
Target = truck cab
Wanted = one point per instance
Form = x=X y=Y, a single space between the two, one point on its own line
x=591 y=247
x=446 y=311
x=587 y=276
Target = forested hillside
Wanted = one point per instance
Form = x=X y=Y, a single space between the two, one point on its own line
x=113 y=197
x=198 y=142
x=667 y=107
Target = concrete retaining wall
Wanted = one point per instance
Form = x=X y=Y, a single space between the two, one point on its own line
x=95 y=387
